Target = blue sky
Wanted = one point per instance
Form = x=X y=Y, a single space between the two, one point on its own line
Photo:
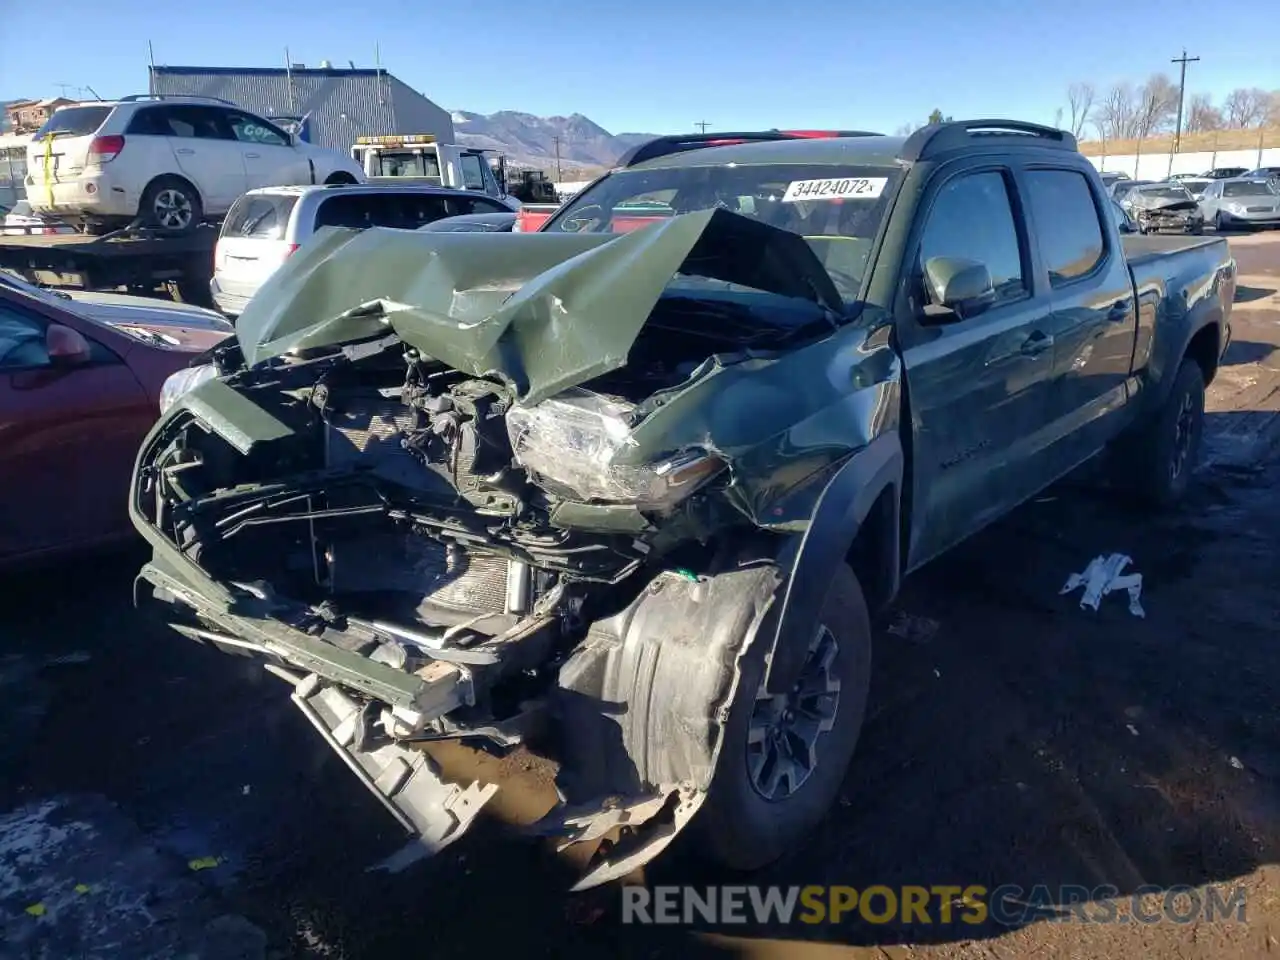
x=662 y=65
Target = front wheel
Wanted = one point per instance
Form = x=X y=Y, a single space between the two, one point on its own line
x=784 y=755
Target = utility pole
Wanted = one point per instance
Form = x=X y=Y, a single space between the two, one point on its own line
x=559 y=175
x=702 y=126
x=1182 y=89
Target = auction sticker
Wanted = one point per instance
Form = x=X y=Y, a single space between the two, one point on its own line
x=840 y=189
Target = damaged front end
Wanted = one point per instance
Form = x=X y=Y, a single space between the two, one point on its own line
x=495 y=492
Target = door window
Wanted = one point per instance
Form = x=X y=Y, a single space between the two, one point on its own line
x=466 y=205
x=1067 y=224
x=189 y=122
x=472 y=171
x=22 y=340
x=406 y=211
x=247 y=128
x=972 y=218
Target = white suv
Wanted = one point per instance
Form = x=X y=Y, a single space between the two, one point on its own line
x=266 y=226
x=170 y=161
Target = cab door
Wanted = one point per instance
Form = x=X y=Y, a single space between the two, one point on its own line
x=977 y=380
x=1095 y=319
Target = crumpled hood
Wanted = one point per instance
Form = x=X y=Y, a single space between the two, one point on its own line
x=542 y=312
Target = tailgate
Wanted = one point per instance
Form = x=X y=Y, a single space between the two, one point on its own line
x=252 y=244
x=60 y=149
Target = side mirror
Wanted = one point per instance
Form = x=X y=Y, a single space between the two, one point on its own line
x=959 y=284
x=66 y=347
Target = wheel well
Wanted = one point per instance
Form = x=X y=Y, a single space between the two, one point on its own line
x=873 y=555
x=1204 y=350
x=340 y=176
x=172 y=176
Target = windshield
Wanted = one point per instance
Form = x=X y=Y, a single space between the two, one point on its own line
x=72 y=122
x=406 y=163
x=1248 y=188
x=838 y=209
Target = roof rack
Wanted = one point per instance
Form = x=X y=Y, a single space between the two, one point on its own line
x=134 y=97
x=941 y=137
x=680 y=142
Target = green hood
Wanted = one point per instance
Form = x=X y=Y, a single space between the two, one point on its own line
x=542 y=311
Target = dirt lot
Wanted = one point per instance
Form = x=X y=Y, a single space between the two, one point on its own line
x=159 y=799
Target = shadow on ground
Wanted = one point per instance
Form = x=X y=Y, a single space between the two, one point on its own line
x=1027 y=741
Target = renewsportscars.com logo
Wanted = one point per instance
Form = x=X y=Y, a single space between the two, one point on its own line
x=1008 y=905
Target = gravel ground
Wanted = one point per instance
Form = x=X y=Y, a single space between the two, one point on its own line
x=159 y=799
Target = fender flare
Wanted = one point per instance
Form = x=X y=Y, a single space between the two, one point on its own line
x=810 y=558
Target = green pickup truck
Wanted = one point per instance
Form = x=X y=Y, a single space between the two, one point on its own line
x=629 y=495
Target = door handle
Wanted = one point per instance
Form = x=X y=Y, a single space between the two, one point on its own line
x=253 y=156
x=1036 y=343
x=185 y=151
x=1119 y=311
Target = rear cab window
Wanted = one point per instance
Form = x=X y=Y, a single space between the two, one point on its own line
x=1068 y=228
x=260 y=216
x=73 y=122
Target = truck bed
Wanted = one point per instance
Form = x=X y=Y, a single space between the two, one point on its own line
x=1141 y=247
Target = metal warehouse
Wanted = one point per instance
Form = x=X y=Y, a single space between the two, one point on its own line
x=340 y=104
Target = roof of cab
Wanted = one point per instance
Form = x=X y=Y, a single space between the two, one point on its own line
x=303 y=189
x=862 y=151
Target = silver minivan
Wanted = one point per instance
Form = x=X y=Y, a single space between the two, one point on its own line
x=265 y=226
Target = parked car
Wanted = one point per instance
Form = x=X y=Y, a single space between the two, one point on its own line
x=1264 y=173
x=473 y=223
x=1240 y=203
x=1111 y=178
x=1195 y=185
x=1225 y=173
x=168 y=161
x=645 y=485
x=20 y=221
x=1163 y=206
x=76 y=397
x=1120 y=217
x=1121 y=188
x=265 y=226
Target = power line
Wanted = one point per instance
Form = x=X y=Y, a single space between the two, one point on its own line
x=702 y=125
x=1182 y=89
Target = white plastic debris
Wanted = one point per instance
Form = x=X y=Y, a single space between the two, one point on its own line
x=1132 y=729
x=1235 y=762
x=1104 y=575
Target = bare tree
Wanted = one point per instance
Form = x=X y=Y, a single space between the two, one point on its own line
x=1080 y=97
x=1246 y=108
x=1273 y=109
x=1202 y=115
x=1115 y=117
x=907 y=129
x=1157 y=105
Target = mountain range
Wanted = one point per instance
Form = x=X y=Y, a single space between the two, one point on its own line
x=529 y=141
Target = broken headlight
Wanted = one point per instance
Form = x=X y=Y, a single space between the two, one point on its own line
x=570 y=442
x=182 y=382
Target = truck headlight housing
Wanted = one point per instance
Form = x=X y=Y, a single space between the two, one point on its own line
x=182 y=382
x=569 y=444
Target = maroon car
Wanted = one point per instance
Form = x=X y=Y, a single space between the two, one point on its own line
x=77 y=395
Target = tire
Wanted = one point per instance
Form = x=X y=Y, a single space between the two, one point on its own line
x=1197 y=230
x=738 y=827
x=1218 y=226
x=340 y=177
x=171 y=205
x=1163 y=454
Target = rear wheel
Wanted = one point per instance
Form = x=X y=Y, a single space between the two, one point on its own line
x=784 y=755
x=1156 y=463
x=340 y=177
x=172 y=205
